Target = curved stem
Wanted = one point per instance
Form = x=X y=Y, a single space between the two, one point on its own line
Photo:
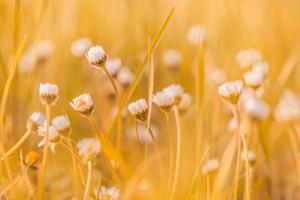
x=178 y=152
x=88 y=180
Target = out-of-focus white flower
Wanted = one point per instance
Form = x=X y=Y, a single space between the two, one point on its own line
x=44 y=49
x=185 y=103
x=113 y=66
x=125 y=76
x=256 y=108
x=176 y=91
x=53 y=136
x=288 y=107
x=48 y=93
x=139 y=109
x=143 y=135
x=196 y=35
x=62 y=124
x=248 y=57
x=210 y=166
x=35 y=120
x=88 y=148
x=172 y=58
x=81 y=46
x=164 y=100
x=83 y=104
x=231 y=91
x=216 y=76
x=109 y=193
x=249 y=154
x=27 y=61
x=254 y=79
x=145 y=188
x=96 y=56
x=261 y=67
x=232 y=125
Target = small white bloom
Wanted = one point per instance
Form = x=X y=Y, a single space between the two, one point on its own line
x=27 y=61
x=256 y=108
x=48 y=93
x=143 y=135
x=109 y=193
x=261 y=67
x=210 y=166
x=125 y=76
x=96 y=56
x=81 y=46
x=231 y=91
x=164 y=100
x=88 y=148
x=248 y=57
x=250 y=155
x=113 y=66
x=216 y=76
x=196 y=35
x=185 y=103
x=232 y=125
x=83 y=104
x=44 y=49
x=139 y=109
x=53 y=136
x=254 y=79
x=176 y=91
x=62 y=124
x=35 y=120
x=172 y=58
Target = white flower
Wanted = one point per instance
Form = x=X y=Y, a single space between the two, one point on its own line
x=232 y=125
x=248 y=57
x=125 y=76
x=250 y=155
x=81 y=46
x=216 y=76
x=35 y=120
x=164 y=100
x=185 y=103
x=96 y=56
x=176 y=91
x=53 y=136
x=254 y=79
x=172 y=58
x=139 y=109
x=288 y=107
x=231 y=91
x=261 y=67
x=256 y=108
x=113 y=66
x=88 y=148
x=196 y=35
x=143 y=135
x=62 y=124
x=210 y=166
x=48 y=93
x=109 y=193
x=44 y=49
x=83 y=104
x=27 y=61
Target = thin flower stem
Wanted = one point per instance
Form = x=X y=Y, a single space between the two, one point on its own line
x=247 y=184
x=41 y=176
x=171 y=154
x=295 y=150
x=138 y=140
x=88 y=180
x=178 y=153
x=207 y=187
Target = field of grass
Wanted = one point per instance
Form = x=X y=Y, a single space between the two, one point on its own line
x=183 y=99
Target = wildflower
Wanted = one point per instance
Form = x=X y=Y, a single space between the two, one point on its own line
x=27 y=61
x=250 y=155
x=231 y=91
x=53 y=136
x=113 y=66
x=44 y=49
x=81 y=46
x=248 y=57
x=96 y=56
x=254 y=79
x=210 y=166
x=164 y=100
x=232 y=125
x=256 y=108
x=109 y=193
x=83 y=104
x=185 y=103
x=139 y=109
x=143 y=135
x=35 y=120
x=88 y=148
x=31 y=159
x=172 y=58
x=216 y=76
x=125 y=76
x=261 y=67
x=48 y=93
x=176 y=91
x=62 y=125
x=196 y=35
x=288 y=108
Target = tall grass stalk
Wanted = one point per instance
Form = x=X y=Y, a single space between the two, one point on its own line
x=88 y=180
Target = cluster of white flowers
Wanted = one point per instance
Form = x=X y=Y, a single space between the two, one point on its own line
x=83 y=104
x=88 y=148
x=210 y=166
x=48 y=93
x=139 y=109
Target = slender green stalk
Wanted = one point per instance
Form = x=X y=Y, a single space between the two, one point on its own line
x=88 y=181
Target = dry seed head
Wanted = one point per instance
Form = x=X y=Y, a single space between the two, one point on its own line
x=254 y=79
x=81 y=46
x=83 y=104
x=172 y=58
x=113 y=66
x=48 y=93
x=125 y=76
x=62 y=125
x=35 y=120
x=210 y=166
x=139 y=109
x=31 y=159
x=231 y=91
x=96 y=56
x=164 y=100
x=88 y=148
x=176 y=91
x=109 y=193
x=248 y=57
x=197 y=35
x=53 y=136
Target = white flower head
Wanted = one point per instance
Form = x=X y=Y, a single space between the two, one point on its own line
x=288 y=107
x=254 y=79
x=125 y=76
x=216 y=76
x=139 y=109
x=256 y=108
x=53 y=136
x=35 y=120
x=27 y=61
x=185 y=103
x=96 y=56
x=172 y=58
x=81 y=46
x=88 y=148
x=250 y=155
x=231 y=91
x=261 y=67
x=62 y=124
x=176 y=91
x=248 y=57
x=44 y=49
x=113 y=66
x=210 y=166
x=232 y=125
x=83 y=104
x=197 y=35
x=109 y=193
x=48 y=93
x=164 y=100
